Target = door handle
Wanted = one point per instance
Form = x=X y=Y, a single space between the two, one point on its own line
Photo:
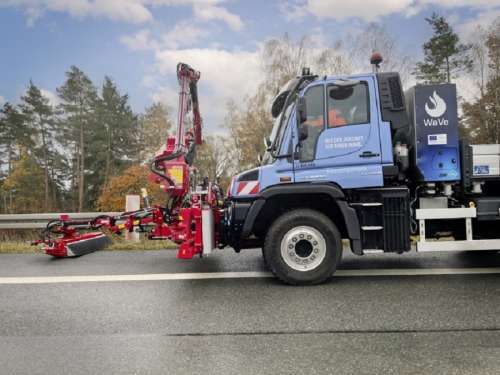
x=368 y=154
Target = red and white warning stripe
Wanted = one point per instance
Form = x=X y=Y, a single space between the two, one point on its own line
x=248 y=187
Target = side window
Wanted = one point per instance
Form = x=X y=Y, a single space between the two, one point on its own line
x=348 y=105
x=315 y=104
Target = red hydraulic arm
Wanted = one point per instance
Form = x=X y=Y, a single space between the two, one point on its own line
x=171 y=167
x=182 y=220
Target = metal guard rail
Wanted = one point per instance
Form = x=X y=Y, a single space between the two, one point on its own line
x=37 y=221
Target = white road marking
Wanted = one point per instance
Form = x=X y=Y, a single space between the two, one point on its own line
x=236 y=275
x=138 y=277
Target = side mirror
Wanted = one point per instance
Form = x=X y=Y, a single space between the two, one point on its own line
x=302 y=110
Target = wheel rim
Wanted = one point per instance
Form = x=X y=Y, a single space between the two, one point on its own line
x=303 y=248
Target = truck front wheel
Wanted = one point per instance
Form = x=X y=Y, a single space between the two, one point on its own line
x=303 y=247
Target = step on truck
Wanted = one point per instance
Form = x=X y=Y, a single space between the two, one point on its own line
x=350 y=159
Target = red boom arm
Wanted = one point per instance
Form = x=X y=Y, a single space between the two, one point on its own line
x=181 y=221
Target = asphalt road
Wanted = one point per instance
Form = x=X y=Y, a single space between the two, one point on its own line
x=440 y=324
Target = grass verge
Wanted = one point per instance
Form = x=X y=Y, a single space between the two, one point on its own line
x=118 y=244
x=17 y=247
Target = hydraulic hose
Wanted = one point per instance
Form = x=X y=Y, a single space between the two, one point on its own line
x=158 y=171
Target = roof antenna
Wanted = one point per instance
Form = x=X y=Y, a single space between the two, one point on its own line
x=375 y=60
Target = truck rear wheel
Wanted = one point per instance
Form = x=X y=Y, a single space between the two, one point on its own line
x=303 y=247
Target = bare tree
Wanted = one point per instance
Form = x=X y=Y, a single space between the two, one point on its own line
x=214 y=160
x=480 y=58
x=332 y=61
x=376 y=38
x=248 y=126
x=283 y=59
x=481 y=116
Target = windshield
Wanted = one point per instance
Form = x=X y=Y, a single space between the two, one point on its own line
x=285 y=99
x=280 y=99
x=278 y=133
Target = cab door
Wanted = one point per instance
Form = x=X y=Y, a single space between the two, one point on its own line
x=343 y=141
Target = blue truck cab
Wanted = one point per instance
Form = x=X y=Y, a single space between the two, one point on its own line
x=347 y=141
x=349 y=158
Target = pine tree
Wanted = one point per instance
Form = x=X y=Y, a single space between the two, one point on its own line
x=13 y=135
x=114 y=142
x=23 y=197
x=79 y=101
x=155 y=126
x=38 y=116
x=444 y=55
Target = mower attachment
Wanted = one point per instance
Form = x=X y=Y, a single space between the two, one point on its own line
x=88 y=243
x=70 y=240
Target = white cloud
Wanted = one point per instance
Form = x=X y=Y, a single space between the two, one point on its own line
x=293 y=11
x=225 y=75
x=210 y=12
x=140 y=41
x=148 y=81
x=467 y=29
x=166 y=95
x=184 y=33
x=342 y=10
x=123 y=10
x=180 y=2
x=420 y=5
x=133 y=11
x=2 y=100
x=119 y=10
x=32 y=14
x=462 y=3
x=374 y=9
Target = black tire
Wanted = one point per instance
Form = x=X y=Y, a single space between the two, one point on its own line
x=290 y=227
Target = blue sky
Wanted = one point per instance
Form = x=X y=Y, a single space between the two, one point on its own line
x=138 y=42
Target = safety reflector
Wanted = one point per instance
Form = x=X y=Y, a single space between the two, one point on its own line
x=248 y=187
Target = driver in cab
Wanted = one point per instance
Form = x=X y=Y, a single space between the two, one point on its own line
x=315 y=122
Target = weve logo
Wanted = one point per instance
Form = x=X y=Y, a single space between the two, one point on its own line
x=439 y=106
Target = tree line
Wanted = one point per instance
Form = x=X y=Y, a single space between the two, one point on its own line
x=59 y=157
x=87 y=151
